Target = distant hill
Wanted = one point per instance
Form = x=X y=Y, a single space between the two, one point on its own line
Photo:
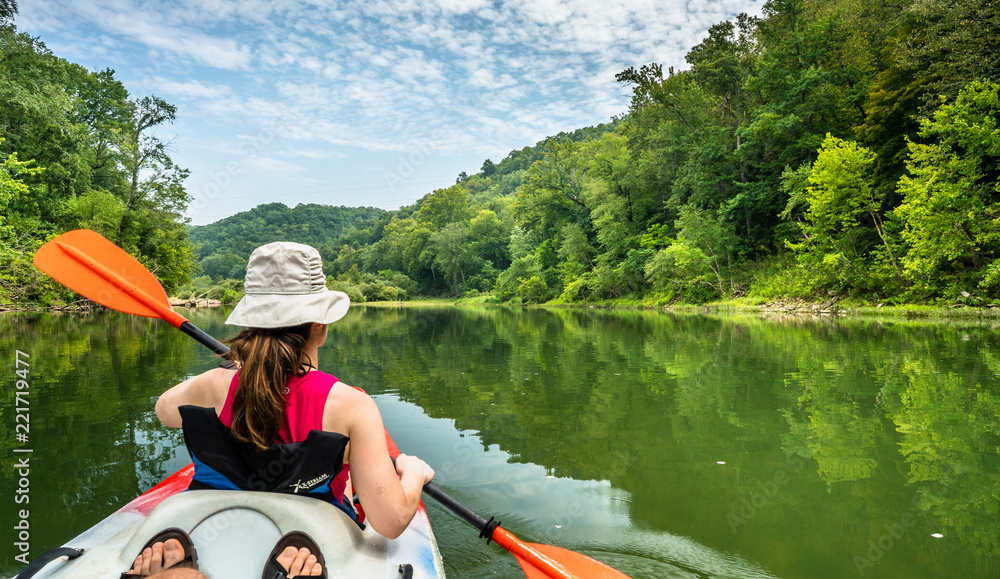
x=225 y=246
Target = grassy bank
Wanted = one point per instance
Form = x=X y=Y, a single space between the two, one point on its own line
x=740 y=305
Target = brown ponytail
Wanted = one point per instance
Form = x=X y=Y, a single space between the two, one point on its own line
x=267 y=357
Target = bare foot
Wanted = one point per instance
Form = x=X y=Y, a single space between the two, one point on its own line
x=299 y=563
x=157 y=558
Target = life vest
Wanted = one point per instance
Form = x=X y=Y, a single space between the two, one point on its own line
x=222 y=462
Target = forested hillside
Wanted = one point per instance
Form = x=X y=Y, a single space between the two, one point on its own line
x=76 y=150
x=828 y=148
x=833 y=147
x=224 y=246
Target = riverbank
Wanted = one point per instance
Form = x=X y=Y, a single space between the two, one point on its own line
x=831 y=307
x=80 y=306
x=744 y=305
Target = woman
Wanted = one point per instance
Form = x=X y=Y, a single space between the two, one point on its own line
x=279 y=395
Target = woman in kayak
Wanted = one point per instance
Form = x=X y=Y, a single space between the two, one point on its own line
x=278 y=395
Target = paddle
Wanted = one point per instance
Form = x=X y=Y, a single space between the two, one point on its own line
x=97 y=269
x=537 y=561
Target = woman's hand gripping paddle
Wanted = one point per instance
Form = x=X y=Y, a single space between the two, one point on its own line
x=99 y=270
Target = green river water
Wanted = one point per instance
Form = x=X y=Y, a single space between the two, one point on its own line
x=665 y=445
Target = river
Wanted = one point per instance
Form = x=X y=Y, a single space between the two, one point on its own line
x=665 y=445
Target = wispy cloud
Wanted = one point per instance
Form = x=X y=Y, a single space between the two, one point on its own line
x=190 y=89
x=372 y=76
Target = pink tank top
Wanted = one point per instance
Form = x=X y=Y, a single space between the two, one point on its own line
x=305 y=400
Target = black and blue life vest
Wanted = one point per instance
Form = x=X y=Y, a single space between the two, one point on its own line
x=222 y=462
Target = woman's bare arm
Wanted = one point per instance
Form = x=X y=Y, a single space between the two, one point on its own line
x=208 y=389
x=390 y=498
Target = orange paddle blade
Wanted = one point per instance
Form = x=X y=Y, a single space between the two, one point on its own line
x=547 y=562
x=577 y=564
x=99 y=270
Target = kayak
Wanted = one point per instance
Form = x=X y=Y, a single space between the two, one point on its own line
x=235 y=528
x=233 y=533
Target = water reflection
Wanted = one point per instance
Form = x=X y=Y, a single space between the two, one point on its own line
x=668 y=445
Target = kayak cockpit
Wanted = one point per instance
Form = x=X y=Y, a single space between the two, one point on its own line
x=234 y=531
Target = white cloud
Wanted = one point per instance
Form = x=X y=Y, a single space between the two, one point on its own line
x=488 y=80
x=189 y=89
x=334 y=76
x=260 y=164
x=313 y=154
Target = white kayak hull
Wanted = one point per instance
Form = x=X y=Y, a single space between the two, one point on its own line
x=234 y=531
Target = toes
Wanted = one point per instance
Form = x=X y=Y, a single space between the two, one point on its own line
x=158 y=557
x=147 y=561
x=310 y=566
x=156 y=564
x=136 y=566
x=300 y=562
x=173 y=553
x=287 y=557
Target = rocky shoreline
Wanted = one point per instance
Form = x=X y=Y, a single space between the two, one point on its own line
x=194 y=303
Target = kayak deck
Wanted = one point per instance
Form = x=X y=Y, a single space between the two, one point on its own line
x=234 y=531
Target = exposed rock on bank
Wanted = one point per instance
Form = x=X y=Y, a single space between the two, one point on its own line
x=193 y=303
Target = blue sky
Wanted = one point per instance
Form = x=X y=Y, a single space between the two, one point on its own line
x=366 y=103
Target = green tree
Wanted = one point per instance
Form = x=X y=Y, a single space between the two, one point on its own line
x=452 y=253
x=36 y=120
x=552 y=192
x=701 y=255
x=575 y=252
x=20 y=280
x=8 y=9
x=99 y=210
x=951 y=198
x=101 y=104
x=490 y=237
x=953 y=44
x=723 y=64
x=445 y=206
x=139 y=152
x=840 y=199
x=404 y=247
x=521 y=243
x=12 y=171
x=220 y=266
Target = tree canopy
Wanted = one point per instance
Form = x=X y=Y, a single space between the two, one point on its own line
x=78 y=151
x=835 y=148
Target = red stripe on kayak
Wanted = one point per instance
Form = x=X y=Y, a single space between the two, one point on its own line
x=173 y=484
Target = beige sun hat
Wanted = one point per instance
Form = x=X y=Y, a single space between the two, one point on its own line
x=285 y=286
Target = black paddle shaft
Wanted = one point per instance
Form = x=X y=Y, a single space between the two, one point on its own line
x=454 y=505
x=208 y=341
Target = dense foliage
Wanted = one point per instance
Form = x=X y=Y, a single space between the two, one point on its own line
x=826 y=148
x=77 y=151
x=838 y=148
